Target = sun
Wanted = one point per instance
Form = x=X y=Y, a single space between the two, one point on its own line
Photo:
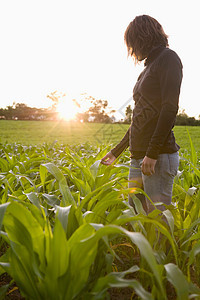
x=67 y=109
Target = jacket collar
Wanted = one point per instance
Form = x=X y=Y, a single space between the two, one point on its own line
x=153 y=54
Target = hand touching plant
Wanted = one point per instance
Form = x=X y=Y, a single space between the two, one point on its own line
x=108 y=159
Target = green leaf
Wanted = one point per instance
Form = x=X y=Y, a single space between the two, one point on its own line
x=195 y=251
x=22 y=271
x=52 y=200
x=43 y=173
x=3 y=208
x=193 y=156
x=68 y=219
x=83 y=248
x=57 y=261
x=94 y=168
x=147 y=253
x=170 y=219
x=4 y=165
x=141 y=242
x=104 y=187
x=34 y=199
x=142 y=218
x=117 y=280
x=84 y=169
x=188 y=230
x=178 y=280
x=64 y=189
x=82 y=185
x=22 y=227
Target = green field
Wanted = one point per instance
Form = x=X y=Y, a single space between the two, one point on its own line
x=71 y=133
x=65 y=218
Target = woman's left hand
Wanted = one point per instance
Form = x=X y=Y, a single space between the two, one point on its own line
x=148 y=166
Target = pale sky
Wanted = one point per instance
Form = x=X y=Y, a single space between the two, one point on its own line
x=78 y=46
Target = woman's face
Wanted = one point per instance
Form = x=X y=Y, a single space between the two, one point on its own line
x=138 y=56
x=141 y=57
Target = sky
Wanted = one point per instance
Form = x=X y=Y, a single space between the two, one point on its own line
x=77 y=47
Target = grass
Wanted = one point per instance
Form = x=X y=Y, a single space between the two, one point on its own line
x=181 y=135
x=38 y=132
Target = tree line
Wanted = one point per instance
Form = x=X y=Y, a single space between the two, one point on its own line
x=98 y=112
x=182 y=118
x=21 y=111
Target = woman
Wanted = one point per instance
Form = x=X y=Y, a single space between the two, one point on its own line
x=154 y=152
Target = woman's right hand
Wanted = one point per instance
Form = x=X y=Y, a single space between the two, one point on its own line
x=108 y=159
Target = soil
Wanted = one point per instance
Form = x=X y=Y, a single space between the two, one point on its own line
x=14 y=294
x=115 y=293
x=122 y=294
x=13 y=291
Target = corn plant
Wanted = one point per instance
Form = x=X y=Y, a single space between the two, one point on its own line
x=48 y=265
x=62 y=199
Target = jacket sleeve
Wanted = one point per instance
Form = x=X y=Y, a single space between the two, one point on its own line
x=116 y=151
x=170 y=77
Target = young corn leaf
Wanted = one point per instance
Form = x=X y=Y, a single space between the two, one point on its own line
x=83 y=245
x=145 y=249
x=195 y=251
x=64 y=189
x=85 y=171
x=163 y=230
x=94 y=168
x=33 y=198
x=116 y=279
x=52 y=200
x=170 y=219
x=18 y=216
x=193 y=152
x=3 y=208
x=57 y=261
x=68 y=219
x=4 y=165
x=178 y=280
x=22 y=271
x=62 y=215
x=43 y=174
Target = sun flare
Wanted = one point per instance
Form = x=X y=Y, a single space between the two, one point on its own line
x=67 y=109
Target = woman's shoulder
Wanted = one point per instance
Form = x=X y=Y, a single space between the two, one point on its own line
x=169 y=56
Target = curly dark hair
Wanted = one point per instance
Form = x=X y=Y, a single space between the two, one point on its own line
x=142 y=35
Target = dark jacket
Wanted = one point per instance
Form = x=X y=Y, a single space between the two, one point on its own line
x=156 y=96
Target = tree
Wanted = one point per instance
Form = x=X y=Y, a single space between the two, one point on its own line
x=9 y=112
x=55 y=98
x=98 y=112
x=183 y=119
x=2 y=113
x=128 y=113
x=22 y=111
x=83 y=117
